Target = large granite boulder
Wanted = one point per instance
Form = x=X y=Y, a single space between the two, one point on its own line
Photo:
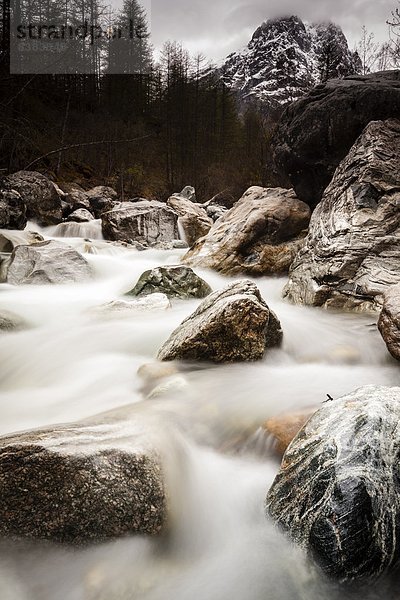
x=102 y=199
x=230 y=325
x=260 y=235
x=148 y=222
x=338 y=491
x=42 y=198
x=10 y=239
x=389 y=321
x=316 y=132
x=47 y=262
x=193 y=218
x=81 y=483
x=12 y=209
x=352 y=251
x=81 y=215
x=173 y=281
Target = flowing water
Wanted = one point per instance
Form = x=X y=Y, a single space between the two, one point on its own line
x=74 y=363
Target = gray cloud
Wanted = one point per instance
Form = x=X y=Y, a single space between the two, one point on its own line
x=218 y=27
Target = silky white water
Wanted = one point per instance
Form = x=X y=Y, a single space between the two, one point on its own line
x=74 y=363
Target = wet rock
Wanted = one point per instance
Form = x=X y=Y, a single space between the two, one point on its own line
x=11 y=239
x=47 y=262
x=76 y=198
x=260 y=235
x=42 y=198
x=102 y=199
x=120 y=309
x=81 y=215
x=12 y=209
x=389 y=321
x=337 y=493
x=317 y=132
x=81 y=483
x=147 y=222
x=352 y=251
x=175 y=282
x=284 y=428
x=193 y=218
x=230 y=325
x=216 y=212
x=9 y=322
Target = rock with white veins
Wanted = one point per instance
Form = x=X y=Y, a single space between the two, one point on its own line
x=338 y=491
x=230 y=325
x=352 y=252
x=389 y=321
x=47 y=262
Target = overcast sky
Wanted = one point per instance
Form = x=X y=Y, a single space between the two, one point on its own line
x=218 y=27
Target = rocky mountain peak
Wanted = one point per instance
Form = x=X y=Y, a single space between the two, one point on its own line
x=285 y=58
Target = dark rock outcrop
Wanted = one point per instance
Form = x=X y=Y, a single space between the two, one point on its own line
x=47 y=262
x=230 y=325
x=260 y=235
x=389 y=321
x=80 y=483
x=81 y=215
x=42 y=198
x=338 y=491
x=174 y=282
x=102 y=199
x=316 y=133
x=352 y=252
x=12 y=209
x=147 y=222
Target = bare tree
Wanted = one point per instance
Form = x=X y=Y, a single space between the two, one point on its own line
x=367 y=50
x=394 y=33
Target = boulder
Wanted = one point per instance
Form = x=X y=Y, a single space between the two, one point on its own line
x=284 y=428
x=81 y=215
x=102 y=199
x=230 y=325
x=9 y=322
x=81 y=483
x=338 y=491
x=316 y=132
x=188 y=193
x=389 y=321
x=148 y=222
x=216 y=212
x=175 y=282
x=193 y=219
x=42 y=198
x=352 y=251
x=11 y=239
x=260 y=235
x=76 y=197
x=12 y=209
x=47 y=262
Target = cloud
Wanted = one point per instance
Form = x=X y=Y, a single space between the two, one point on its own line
x=219 y=27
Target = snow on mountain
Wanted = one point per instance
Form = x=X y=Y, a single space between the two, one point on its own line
x=285 y=58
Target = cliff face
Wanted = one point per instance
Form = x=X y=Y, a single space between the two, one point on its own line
x=285 y=58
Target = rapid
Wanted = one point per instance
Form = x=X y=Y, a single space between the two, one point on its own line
x=73 y=363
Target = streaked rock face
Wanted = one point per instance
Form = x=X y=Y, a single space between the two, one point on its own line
x=47 y=262
x=193 y=218
x=148 y=222
x=230 y=325
x=338 y=491
x=389 y=321
x=352 y=252
x=260 y=235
